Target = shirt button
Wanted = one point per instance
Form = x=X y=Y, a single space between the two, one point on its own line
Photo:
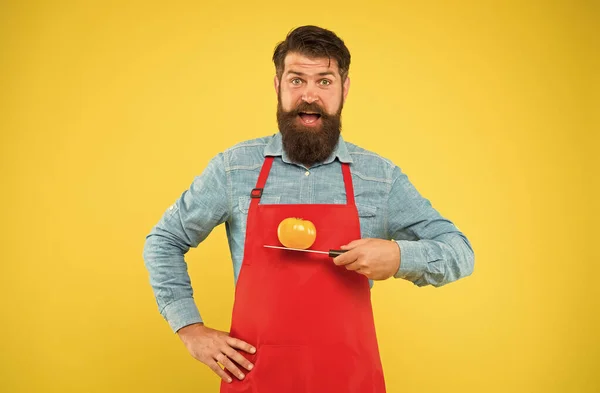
x=306 y=173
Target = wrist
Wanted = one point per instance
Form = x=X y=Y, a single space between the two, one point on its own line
x=398 y=257
x=190 y=329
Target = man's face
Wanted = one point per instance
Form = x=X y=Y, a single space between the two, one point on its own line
x=310 y=98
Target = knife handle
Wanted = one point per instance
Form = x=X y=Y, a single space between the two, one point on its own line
x=335 y=253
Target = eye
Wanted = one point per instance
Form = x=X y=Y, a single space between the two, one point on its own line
x=325 y=82
x=296 y=81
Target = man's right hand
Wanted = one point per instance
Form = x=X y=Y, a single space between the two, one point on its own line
x=213 y=347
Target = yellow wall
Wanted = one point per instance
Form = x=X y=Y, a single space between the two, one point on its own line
x=109 y=109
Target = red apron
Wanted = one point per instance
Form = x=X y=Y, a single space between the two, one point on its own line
x=310 y=320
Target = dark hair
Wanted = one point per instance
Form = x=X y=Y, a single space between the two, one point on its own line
x=313 y=42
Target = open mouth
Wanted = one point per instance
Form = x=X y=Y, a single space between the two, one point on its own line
x=309 y=118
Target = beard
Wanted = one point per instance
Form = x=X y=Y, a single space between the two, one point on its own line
x=308 y=145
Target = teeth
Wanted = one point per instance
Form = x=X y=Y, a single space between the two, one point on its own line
x=309 y=117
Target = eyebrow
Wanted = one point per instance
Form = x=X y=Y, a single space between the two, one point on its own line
x=326 y=73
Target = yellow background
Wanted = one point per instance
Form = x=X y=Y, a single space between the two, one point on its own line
x=109 y=109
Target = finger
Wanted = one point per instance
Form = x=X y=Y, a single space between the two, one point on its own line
x=228 y=364
x=219 y=371
x=358 y=268
x=346 y=258
x=353 y=243
x=238 y=358
x=239 y=344
x=354 y=266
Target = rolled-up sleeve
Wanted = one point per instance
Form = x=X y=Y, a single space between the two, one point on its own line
x=184 y=225
x=433 y=251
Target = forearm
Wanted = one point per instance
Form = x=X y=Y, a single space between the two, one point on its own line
x=436 y=262
x=433 y=251
x=170 y=282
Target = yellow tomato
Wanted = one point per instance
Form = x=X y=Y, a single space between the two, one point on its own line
x=296 y=233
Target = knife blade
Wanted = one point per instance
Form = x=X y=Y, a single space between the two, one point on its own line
x=331 y=253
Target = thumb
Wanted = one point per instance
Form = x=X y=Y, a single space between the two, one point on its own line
x=352 y=244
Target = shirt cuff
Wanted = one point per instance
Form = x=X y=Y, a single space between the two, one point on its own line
x=181 y=313
x=412 y=261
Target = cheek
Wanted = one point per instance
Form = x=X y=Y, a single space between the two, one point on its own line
x=287 y=100
x=332 y=103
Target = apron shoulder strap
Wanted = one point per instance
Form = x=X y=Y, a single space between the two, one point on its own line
x=262 y=180
x=348 y=183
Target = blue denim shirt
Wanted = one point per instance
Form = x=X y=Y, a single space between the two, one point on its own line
x=432 y=250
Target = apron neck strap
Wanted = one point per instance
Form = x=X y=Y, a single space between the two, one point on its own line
x=266 y=168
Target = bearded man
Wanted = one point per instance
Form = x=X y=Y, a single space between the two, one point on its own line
x=302 y=321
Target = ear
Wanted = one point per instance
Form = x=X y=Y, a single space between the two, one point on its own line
x=276 y=84
x=345 y=88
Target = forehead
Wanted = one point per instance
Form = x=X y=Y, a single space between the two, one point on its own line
x=309 y=65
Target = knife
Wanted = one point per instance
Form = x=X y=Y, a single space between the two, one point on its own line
x=331 y=253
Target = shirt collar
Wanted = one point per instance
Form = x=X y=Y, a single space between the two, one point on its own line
x=275 y=148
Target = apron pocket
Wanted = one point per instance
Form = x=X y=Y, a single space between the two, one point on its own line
x=342 y=368
x=281 y=368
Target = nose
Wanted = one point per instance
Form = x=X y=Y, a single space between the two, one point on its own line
x=310 y=96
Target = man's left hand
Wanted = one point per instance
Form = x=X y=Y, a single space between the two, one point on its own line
x=375 y=258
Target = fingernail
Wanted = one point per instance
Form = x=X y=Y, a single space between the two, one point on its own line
x=251 y=366
x=228 y=380
x=253 y=350
x=241 y=376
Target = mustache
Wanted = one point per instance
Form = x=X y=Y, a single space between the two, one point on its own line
x=306 y=107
